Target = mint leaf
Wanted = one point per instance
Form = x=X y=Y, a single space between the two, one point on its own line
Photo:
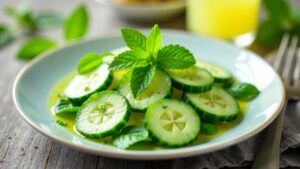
x=295 y=12
x=6 y=35
x=64 y=107
x=244 y=91
x=23 y=16
x=129 y=136
x=47 y=19
x=141 y=78
x=154 y=40
x=34 y=47
x=269 y=34
x=88 y=63
x=76 y=24
x=134 y=39
x=174 y=57
x=129 y=59
x=278 y=10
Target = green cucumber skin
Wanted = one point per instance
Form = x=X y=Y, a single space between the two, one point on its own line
x=79 y=101
x=114 y=130
x=145 y=109
x=212 y=117
x=221 y=80
x=157 y=140
x=191 y=89
x=216 y=78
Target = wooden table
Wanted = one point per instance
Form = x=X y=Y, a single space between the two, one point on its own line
x=23 y=147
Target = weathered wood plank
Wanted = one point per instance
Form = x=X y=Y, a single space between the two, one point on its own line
x=23 y=147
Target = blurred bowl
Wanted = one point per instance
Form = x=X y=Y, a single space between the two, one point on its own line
x=145 y=12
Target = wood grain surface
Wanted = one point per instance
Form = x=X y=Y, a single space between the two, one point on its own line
x=21 y=147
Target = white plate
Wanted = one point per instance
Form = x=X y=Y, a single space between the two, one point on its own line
x=34 y=82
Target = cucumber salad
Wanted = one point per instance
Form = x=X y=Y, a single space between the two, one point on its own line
x=147 y=92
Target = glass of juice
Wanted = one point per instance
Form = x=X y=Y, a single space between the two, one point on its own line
x=234 y=20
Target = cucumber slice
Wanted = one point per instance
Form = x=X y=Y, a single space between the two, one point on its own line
x=172 y=122
x=160 y=87
x=220 y=74
x=193 y=80
x=103 y=114
x=215 y=106
x=82 y=86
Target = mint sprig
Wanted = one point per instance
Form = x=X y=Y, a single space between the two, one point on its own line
x=281 y=17
x=35 y=47
x=174 y=57
x=141 y=78
x=76 y=25
x=146 y=56
x=129 y=59
x=134 y=39
x=154 y=41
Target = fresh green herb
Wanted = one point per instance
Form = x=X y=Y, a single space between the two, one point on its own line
x=146 y=56
x=63 y=107
x=280 y=18
x=34 y=47
x=141 y=78
x=153 y=42
x=47 y=19
x=76 y=24
x=208 y=128
x=88 y=63
x=278 y=10
x=91 y=61
x=129 y=136
x=134 y=39
x=174 y=57
x=62 y=123
x=6 y=36
x=244 y=91
x=129 y=59
x=23 y=16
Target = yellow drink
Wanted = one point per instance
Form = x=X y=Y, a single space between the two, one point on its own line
x=225 y=19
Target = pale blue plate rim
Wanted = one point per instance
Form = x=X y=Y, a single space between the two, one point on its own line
x=151 y=154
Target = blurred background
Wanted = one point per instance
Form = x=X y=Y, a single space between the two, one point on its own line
x=254 y=24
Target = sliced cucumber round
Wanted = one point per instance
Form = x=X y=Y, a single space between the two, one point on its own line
x=82 y=86
x=220 y=74
x=103 y=114
x=215 y=106
x=193 y=80
x=160 y=87
x=172 y=122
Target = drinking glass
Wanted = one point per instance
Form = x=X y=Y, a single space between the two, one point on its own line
x=234 y=20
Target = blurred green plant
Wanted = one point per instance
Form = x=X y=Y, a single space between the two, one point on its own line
x=30 y=22
x=281 y=17
x=34 y=47
x=6 y=35
x=76 y=24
